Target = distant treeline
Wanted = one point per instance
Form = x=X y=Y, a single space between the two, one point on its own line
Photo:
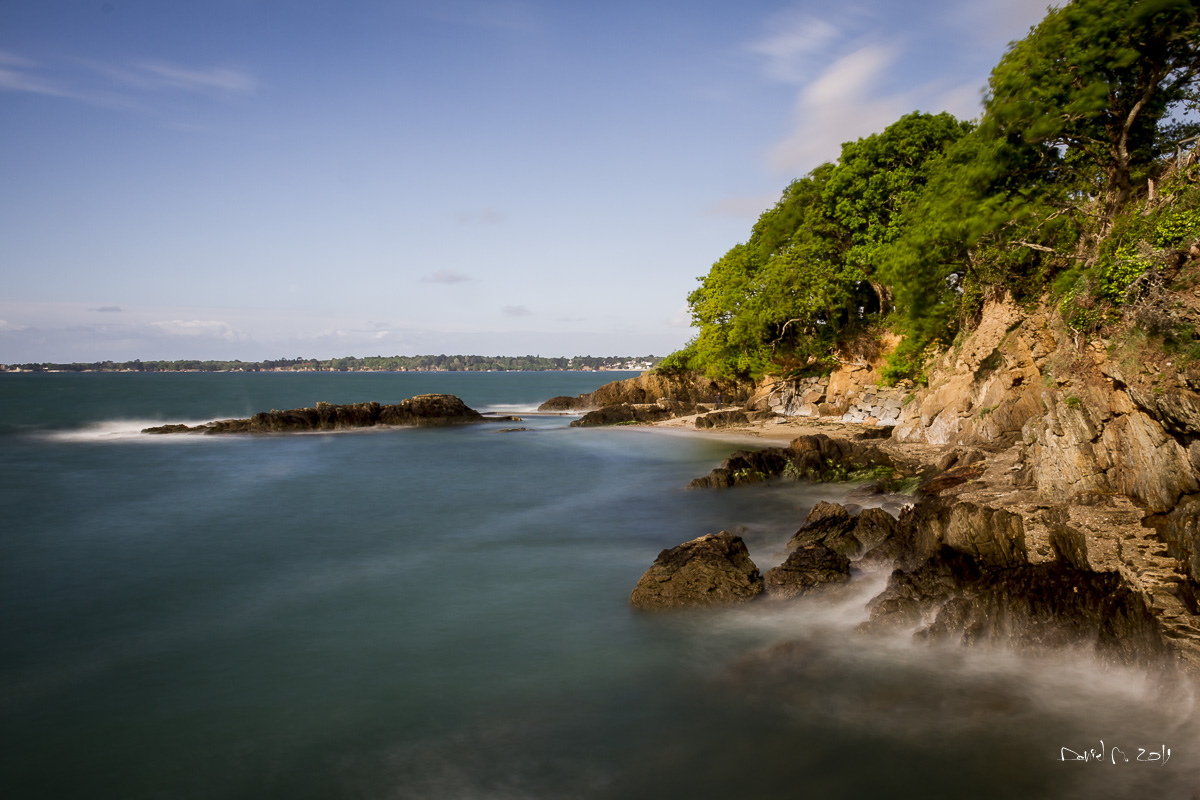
x=440 y=363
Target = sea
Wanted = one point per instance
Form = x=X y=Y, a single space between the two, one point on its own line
x=443 y=614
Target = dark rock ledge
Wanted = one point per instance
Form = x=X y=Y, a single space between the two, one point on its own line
x=423 y=410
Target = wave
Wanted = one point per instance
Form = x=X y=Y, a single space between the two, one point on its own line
x=116 y=430
x=509 y=408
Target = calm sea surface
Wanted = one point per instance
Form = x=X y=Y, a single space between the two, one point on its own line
x=443 y=614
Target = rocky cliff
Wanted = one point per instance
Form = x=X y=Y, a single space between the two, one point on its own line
x=1061 y=494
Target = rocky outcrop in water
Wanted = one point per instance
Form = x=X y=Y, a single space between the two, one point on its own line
x=714 y=569
x=814 y=457
x=631 y=413
x=806 y=569
x=423 y=411
x=686 y=389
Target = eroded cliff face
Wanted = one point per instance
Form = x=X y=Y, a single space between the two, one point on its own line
x=1061 y=503
x=1085 y=523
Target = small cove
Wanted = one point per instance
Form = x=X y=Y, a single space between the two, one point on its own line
x=443 y=613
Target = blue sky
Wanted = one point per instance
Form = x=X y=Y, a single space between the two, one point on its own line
x=275 y=178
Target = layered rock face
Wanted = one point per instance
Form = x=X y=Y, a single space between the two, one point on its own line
x=1059 y=503
x=422 y=410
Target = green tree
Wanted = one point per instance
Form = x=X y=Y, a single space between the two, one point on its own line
x=1098 y=78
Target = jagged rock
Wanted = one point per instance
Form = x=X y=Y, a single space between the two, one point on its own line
x=429 y=409
x=830 y=525
x=806 y=569
x=745 y=466
x=649 y=387
x=167 y=429
x=953 y=597
x=994 y=536
x=813 y=456
x=714 y=569
x=624 y=413
x=877 y=531
x=561 y=403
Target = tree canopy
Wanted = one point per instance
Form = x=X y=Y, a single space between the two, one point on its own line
x=912 y=227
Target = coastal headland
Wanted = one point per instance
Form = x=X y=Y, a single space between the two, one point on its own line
x=1054 y=485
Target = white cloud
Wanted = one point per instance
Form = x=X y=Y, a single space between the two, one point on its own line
x=841 y=105
x=106 y=309
x=796 y=43
x=516 y=311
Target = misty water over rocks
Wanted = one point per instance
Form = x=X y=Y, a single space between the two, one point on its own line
x=444 y=614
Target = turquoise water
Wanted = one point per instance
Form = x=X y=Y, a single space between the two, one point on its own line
x=442 y=613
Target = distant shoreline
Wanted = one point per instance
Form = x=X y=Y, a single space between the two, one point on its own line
x=439 y=363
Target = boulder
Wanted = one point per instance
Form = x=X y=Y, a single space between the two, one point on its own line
x=687 y=388
x=562 y=403
x=624 y=413
x=714 y=569
x=832 y=526
x=429 y=409
x=745 y=466
x=806 y=570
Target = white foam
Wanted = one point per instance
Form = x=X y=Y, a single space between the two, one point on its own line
x=116 y=430
x=509 y=408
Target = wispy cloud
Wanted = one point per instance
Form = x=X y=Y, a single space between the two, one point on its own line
x=446 y=276
x=107 y=309
x=127 y=85
x=854 y=75
x=796 y=42
x=221 y=79
x=516 y=311
x=840 y=105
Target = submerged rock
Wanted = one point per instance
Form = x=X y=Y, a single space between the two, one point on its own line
x=714 y=569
